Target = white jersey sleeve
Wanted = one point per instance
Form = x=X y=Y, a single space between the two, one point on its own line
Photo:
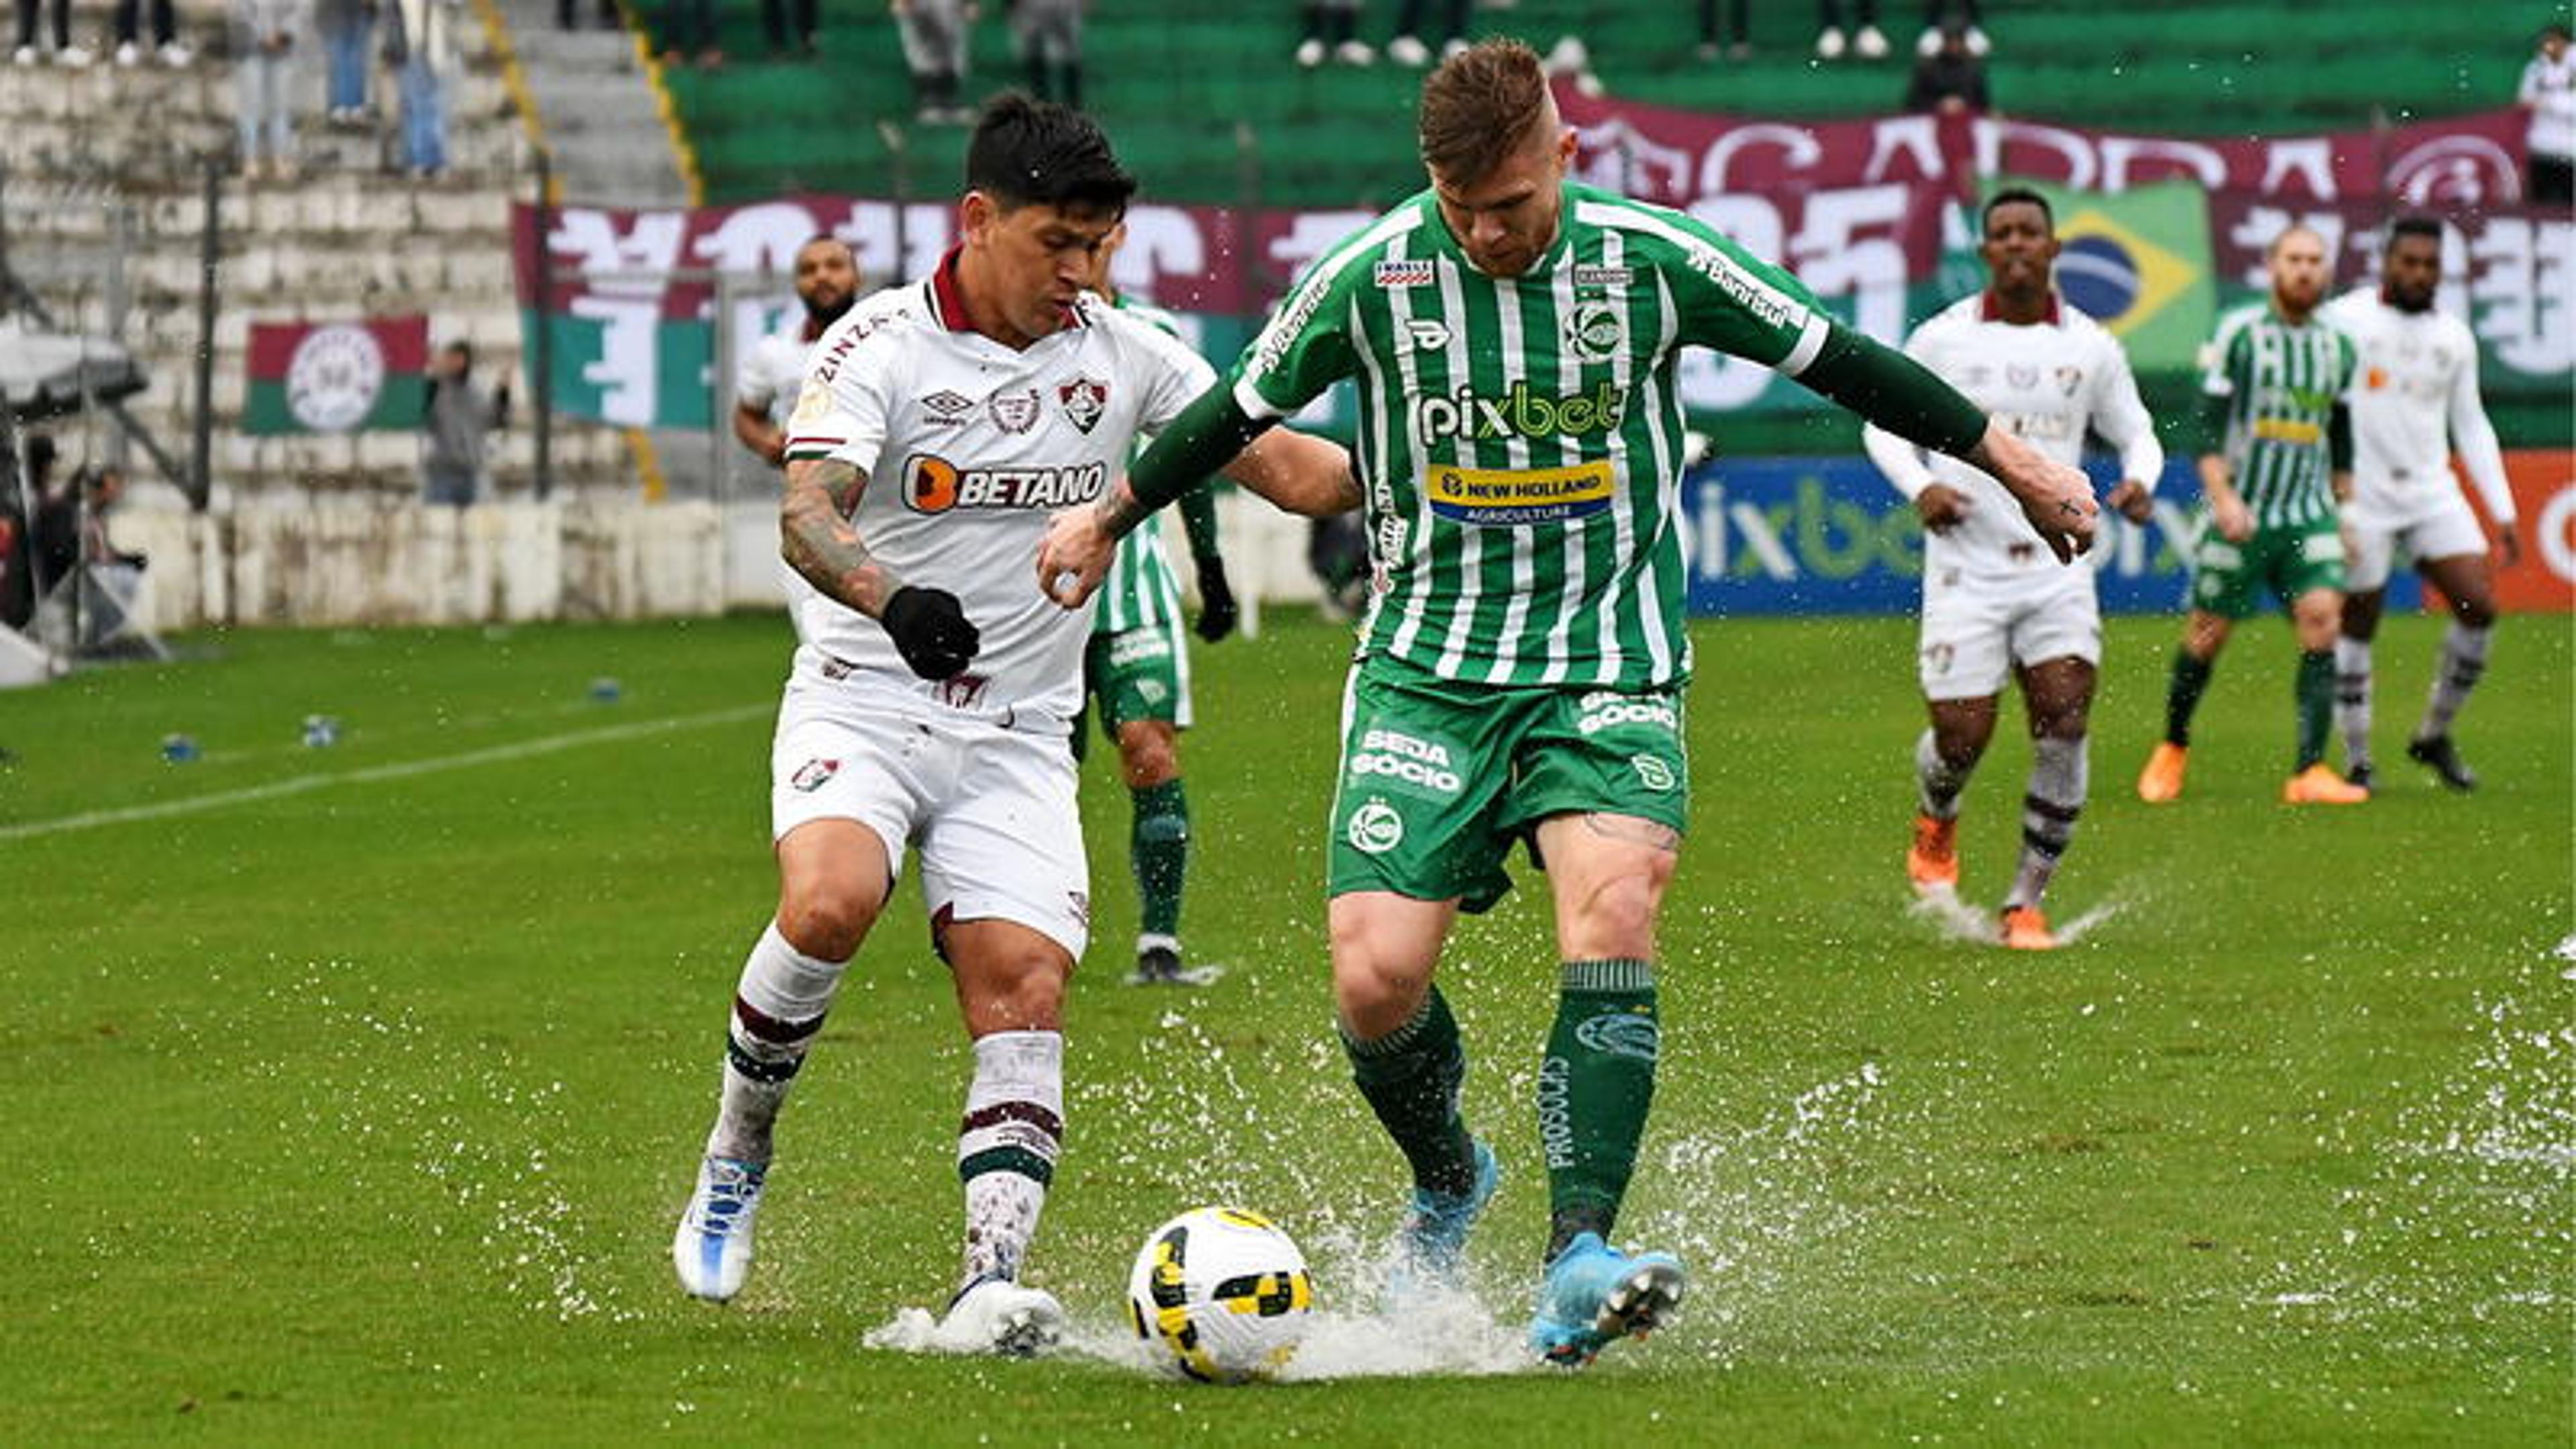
x=2475 y=437
x=2120 y=416
x=770 y=375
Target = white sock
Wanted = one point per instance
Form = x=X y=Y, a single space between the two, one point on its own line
x=778 y=1006
x=2060 y=774
x=1007 y=1145
x=2464 y=658
x=2352 y=698
x=1936 y=785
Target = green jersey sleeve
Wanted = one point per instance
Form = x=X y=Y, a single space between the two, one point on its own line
x=1307 y=345
x=1735 y=302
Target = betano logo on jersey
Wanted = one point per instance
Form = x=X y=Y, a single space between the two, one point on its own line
x=1509 y=497
x=1519 y=413
x=932 y=484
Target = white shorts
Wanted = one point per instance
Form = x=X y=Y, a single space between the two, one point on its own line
x=1975 y=628
x=991 y=810
x=2441 y=526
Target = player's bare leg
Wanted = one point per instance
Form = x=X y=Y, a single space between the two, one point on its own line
x=2315 y=617
x=1158 y=843
x=833 y=877
x=1410 y=1064
x=1010 y=983
x=1607 y=874
x=2358 y=627
x=1945 y=755
x=2204 y=634
x=2059 y=695
x=2468 y=583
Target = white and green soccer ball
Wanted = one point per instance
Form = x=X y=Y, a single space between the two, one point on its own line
x=1220 y=1295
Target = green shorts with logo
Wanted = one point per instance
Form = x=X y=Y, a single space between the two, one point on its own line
x=1439 y=779
x=1137 y=674
x=2229 y=579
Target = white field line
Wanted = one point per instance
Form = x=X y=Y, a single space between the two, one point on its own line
x=494 y=755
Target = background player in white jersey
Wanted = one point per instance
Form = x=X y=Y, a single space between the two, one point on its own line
x=772 y=369
x=938 y=427
x=1994 y=600
x=2414 y=398
x=1519 y=679
x=1137 y=674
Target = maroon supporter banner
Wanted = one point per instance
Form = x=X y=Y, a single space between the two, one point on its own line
x=1678 y=156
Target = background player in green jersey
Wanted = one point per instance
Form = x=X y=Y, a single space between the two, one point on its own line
x=1518 y=678
x=1136 y=673
x=2276 y=458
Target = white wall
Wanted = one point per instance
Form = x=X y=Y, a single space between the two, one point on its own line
x=396 y=562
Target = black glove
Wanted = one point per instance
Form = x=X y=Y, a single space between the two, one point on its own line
x=930 y=631
x=1217 y=611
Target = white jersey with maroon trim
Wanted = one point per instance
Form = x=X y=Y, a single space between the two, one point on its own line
x=969 y=447
x=2046 y=382
x=2414 y=398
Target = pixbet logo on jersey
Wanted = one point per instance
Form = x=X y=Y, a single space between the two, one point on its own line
x=1518 y=413
x=932 y=484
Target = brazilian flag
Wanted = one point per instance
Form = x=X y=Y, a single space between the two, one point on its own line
x=2137 y=261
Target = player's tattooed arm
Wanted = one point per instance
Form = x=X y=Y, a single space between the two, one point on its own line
x=819 y=541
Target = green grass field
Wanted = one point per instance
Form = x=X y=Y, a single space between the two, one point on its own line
x=353 y=1091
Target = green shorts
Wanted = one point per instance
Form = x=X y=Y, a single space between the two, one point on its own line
x=2228 y=579
x=1137 y=674
x=1438 y=778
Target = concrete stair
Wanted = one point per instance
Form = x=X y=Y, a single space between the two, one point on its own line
x=103 y=194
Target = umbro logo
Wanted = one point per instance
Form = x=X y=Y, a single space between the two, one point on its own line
x=947 y=409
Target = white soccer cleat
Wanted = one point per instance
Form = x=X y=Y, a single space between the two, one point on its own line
x=1870 y=44
x=127 y=53
x=996 y=1315
x=1310 y=53
x=1408 y=51
x=176 y=56
x=73 y=57
x=712 y=1250
x=1829 y=43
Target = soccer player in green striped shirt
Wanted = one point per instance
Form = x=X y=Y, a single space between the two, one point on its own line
x=1136 y=672
x=2276 y=458
x=1519 y=675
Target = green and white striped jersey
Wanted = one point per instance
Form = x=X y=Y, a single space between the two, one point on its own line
x=2281 y=384
x=1141 y=591
x=1520 y=437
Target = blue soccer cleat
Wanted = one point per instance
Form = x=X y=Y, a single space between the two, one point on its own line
x=1594 y=1295
x=712 y=1249
x=1434 y=1236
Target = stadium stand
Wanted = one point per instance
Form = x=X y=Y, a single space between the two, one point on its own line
x=106 y=160
x=1180 y=89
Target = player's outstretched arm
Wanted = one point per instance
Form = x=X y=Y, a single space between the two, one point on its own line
x=818 y=540
x=1297 y=473
x=2056 y=497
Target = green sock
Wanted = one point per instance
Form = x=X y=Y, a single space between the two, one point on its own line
x=1594 y=1087
x=1158 y=843
x=1411 y=1077
x=2316 y=704
x=2190 y=677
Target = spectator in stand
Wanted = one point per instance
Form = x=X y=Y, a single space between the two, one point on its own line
x=420 y=45
x=1333 y=29
x=345 y=27
x=1737 y=44
x=65 y=53
x=568 y=15
x=1047 y=35
x=459 y=421
x=1869 y=43
x=689 y=28
x=934 y=50
x=1937 y=15
x=2549 y=91
x=40 y=519
x=265 y=33
x=165 y=34
x=1411 y=50
x=1951 y=79
x=71 y=527
x=790 y=25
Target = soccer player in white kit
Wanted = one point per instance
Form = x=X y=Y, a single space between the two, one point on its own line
x=2415 y=398
x=938 y=428
x=1995 y=602
x=772 y=370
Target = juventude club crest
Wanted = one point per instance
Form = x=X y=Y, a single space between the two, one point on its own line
x=1593 y=331
x=334 y=378
x=1084 y=400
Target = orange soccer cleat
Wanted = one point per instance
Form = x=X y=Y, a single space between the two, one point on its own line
x=2318 y=784
x=2161 y=781
x=1932 y=863
x=2025 y=929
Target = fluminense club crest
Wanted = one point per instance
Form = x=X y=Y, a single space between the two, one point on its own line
x=1084 y=400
